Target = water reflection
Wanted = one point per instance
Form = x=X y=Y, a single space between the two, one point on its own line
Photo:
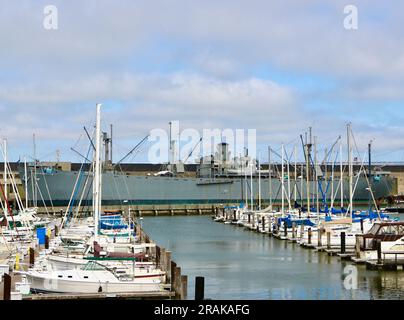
x=238 y=264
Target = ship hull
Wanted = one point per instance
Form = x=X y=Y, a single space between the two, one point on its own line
x=117 y=189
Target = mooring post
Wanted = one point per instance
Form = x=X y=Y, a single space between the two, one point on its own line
x=309 y=235
x=319 y=235
x=379 y=251
x=301 y=231
x=46 y=242
x=263 y=224
x=358 y=246
x=328 y=240
x=184 y=287
x=56 y=231
x=168 y=265
x=158 y=254
x=343 y=235
x=163 y=259
x=178 y=283
x=285 y=226
x=199 y=288
x=31 y=257
x=293 y=230
x=362 y=226
x=172 y=277
x=7 y=287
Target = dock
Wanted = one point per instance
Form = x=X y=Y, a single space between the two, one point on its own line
x=175 y=287
x=386 y=260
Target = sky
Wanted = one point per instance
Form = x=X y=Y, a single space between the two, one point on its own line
x=274 y=66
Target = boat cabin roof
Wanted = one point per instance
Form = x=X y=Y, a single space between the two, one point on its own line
x=386 y=228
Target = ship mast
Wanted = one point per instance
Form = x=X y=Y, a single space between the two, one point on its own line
x=270 y=177
x=350 y=169
x=26 y=182
x=97 y=174
x=283 y=183
x=5 y=169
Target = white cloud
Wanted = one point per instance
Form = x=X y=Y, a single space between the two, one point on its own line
x=210 y=56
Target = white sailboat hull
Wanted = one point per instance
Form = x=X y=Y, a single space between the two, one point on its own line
x=49 y=282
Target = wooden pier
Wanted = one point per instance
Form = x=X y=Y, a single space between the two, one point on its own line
x=385 y=261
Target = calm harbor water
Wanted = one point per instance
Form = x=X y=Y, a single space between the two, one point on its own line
x=240 y=264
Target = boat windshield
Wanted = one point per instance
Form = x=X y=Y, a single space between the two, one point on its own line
x=392 y=230
x=374 y=229
x=93 y=266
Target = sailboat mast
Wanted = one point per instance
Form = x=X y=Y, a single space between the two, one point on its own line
x=301 y=184
x=370 y=175
x=26 y=182
x=350 y=169
x=245 y=182
x=308 y=146
x=341 y=174
x=5 y=169
x=295 y=187
x=283 y=182
x=332 y=178
x=316 y=178
x=270 y=177
x=289 y=190
x=251 y=188
x=259 y=183
x=35 y=190
x=97 y=173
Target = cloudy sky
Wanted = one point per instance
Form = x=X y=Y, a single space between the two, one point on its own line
x=275 y=66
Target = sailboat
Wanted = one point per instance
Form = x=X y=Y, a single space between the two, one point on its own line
x=92 y=276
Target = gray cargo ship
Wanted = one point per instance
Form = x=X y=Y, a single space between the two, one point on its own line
x=217 y=180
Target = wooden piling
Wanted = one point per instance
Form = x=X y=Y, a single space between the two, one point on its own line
x=309 y=235
x=285 y=226
x=358 y=247
x=7 y=287
x=177 y=283
x=319 y=235
x=379 y=251
x=293 y=230
x=31 y=257
x=199 y=288
x=343 y=235
x=46 y=242
x=328 y=240
x=184 y=287
x=172 y=277
x=158 y=256
x=168 y=265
